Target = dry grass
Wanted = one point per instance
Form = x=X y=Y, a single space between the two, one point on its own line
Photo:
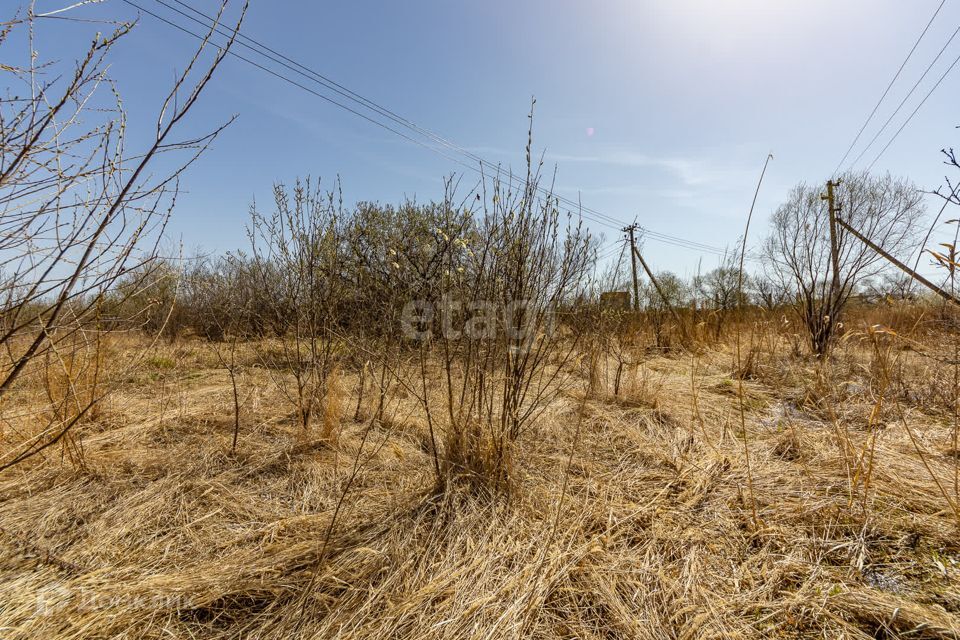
x=163 y=533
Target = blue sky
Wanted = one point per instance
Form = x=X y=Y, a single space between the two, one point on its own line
x=655 y=110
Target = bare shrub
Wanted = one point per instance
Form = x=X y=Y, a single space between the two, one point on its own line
x=498 y=288
x=78 y=212
x=297 y=259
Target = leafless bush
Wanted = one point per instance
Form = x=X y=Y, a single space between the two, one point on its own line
x=148 y=299
x=298 y=259
x=493 y=331
x=78 y=213
x=611 y=332
x=396 y=254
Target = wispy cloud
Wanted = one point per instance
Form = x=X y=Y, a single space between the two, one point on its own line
x=492 y=151
x=691 y=172
x=681 y=194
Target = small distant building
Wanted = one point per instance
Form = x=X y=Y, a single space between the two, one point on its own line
x=619 y=300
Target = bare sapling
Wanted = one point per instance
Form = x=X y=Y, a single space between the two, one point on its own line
x=78 y=212
x=297 y=254
x=495 y=335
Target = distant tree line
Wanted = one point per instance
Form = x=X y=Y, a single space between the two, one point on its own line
x=313 y=261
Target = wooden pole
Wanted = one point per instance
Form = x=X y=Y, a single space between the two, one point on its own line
x=633 y=260
x=834 y=242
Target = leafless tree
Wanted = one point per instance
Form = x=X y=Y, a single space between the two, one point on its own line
x=893 y=285
x=719 y=290
x=882 y=208
x=768 y=293
x=221 y=316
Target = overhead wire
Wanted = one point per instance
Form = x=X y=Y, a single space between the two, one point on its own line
x=906 y=98
x=914 y=112
x=290 y=64
x=286 y=61
x=890 y=85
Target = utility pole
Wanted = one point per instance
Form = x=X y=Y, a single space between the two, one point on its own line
x=631 y=229
x=834 y=209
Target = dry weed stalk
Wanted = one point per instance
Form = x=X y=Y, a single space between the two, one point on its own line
x=739 y=298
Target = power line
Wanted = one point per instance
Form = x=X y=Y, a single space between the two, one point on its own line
x=610 y=252
x=906 y=97
x=616 y=270
x=315 y=76
x=292 y=65
x=914 y=112
x=889 y=86
x=259 y=47
x=295 y=83
x=278 y=58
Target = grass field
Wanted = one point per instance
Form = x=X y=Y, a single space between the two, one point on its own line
x=629 y=516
